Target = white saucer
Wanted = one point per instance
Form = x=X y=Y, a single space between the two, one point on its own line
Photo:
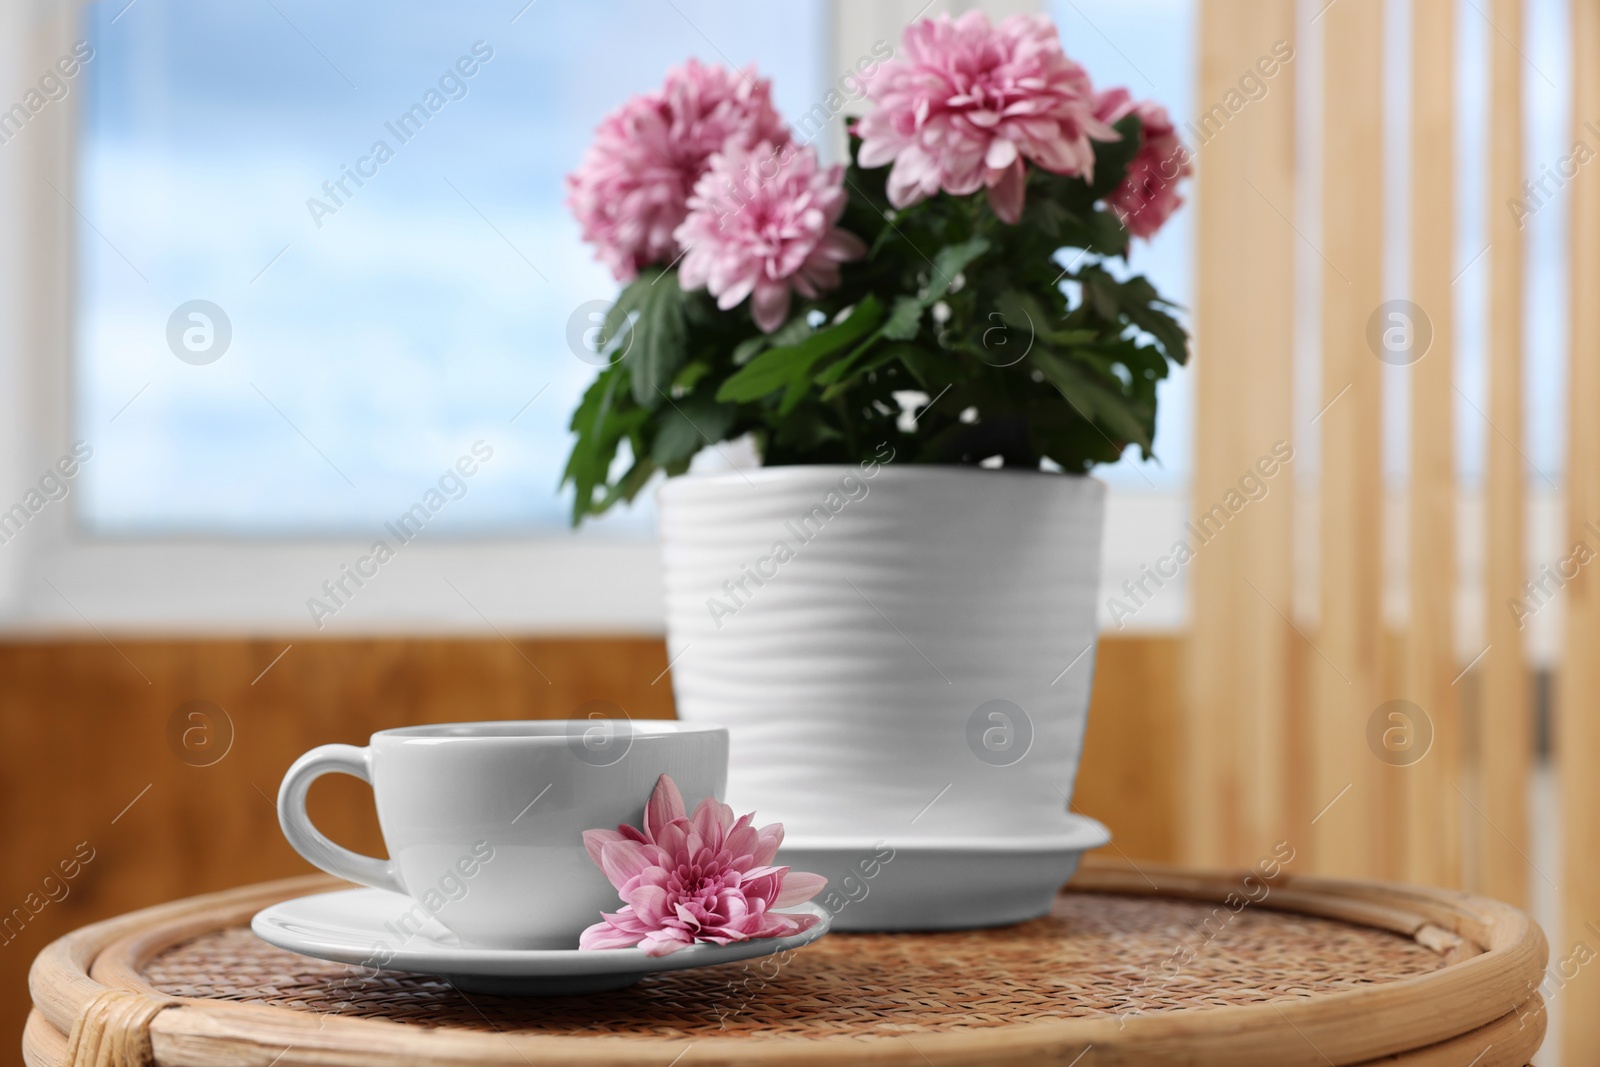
x=942 y=883
x=349 y=926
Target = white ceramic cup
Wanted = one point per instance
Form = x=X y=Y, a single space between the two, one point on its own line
x=484 y=821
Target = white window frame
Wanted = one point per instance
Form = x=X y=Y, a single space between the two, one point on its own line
x=56 y=577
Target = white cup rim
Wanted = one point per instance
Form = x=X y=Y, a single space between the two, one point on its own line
x=540 y=731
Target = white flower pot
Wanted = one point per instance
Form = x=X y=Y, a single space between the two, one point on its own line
x=900 y=653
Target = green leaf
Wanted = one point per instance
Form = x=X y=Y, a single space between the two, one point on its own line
x=591 y=456
x=690 y=375
x=840 y=368
x=950 y=261
x=794 y=331
x=777 y=367
x=1105 y=234
x=660 y=341
x=1047 y=216
x=628 y=485
x=583 y=420
x=746 y=350
x=793 y=393
x=689 y=425
x=1021 y=311
x=1072 y=442
x=619 y=316
x=925 y=367
x=1144 y=308
x=1102 y=294
x=901 y=325
x=804 y=431
x=1093 y=401
x=791 y=332
x=1112 y=158
x=838 y=383
x=904 y=321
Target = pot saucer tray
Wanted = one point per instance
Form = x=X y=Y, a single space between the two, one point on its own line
x=1132 y=966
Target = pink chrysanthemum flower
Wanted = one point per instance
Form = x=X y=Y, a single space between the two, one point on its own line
x=705 y=877
x=1148 y=195
x=632 y=188
x=762 y=222
x=970 y=102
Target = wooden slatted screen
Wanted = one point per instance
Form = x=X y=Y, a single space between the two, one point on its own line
x=1262 y=688
x=1277 y=709
x=1505 y=730
x=1343 y=676
x=1430 y=832
x=1236 y=793
x=1578 y=725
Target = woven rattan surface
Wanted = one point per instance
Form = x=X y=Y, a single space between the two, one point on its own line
x=1096 y=954
x=1133 y=968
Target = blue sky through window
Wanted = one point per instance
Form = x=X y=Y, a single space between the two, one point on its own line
x=1148 y=46
x=373 y=345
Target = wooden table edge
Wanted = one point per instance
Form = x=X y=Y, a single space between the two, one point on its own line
x=1479 y=991
x=1516 y=1036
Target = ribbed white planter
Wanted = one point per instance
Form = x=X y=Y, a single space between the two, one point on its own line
x=898 y=652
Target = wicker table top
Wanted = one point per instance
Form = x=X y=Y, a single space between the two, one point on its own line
x=1149 y=967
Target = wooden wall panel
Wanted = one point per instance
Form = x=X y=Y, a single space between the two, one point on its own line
x=1431 y=833
x=1239 y=706
x=1348 y=837
x=84 y=754
x=1578 y=723
x=83 y=736
x=1129 y=777
x=1505 y=724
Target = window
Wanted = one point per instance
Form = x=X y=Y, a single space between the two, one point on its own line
x=323 y=249
x=269 y=370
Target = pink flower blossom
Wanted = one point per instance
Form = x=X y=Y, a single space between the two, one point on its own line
x=704 y=877
x=970 y=102
x=631 y=190
x=1148 y=195
x=762 y=222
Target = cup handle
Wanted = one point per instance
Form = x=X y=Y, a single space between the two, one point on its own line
x=310 y=842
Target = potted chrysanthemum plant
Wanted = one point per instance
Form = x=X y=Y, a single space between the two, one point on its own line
x=899 y=640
